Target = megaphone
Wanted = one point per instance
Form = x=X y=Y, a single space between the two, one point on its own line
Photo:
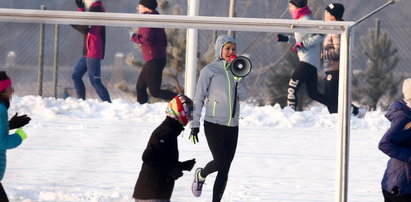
x=240 y=66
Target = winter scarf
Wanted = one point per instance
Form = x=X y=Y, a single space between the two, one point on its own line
x=301 y=12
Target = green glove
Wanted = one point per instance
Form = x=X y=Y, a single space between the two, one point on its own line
x=237 y=78
x=22 y=134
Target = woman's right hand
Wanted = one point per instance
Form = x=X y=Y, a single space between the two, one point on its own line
x=194 y=135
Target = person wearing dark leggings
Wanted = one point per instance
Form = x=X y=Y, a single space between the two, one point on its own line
x=330 y=55
x=305 y=73
x=222 y=141
x=151 y=77
x=307 y=46
x=153 y=43
x=217 y=91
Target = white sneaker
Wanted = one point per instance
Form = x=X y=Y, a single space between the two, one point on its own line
x=361 y=113
x=197 y=186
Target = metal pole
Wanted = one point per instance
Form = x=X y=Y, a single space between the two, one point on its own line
x=343 y=124
x=56 y=59
x=191 y=52
x=390 y=2
x=41 y=58
x=344 y=110
x=231 y=13
x=171 y=21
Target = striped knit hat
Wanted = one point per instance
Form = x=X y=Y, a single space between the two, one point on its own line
x=180 y=108
x=5 y=81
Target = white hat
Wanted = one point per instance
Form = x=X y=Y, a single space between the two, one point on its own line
x=88 y=3
x=406 y=90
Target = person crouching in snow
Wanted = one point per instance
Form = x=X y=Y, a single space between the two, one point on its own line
x=8 y=141
x=160 y=159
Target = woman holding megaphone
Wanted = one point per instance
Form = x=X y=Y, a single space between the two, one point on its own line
x=219 y=91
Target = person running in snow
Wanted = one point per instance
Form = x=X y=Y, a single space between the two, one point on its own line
x=8 y=141
x=307 y=47
x=396 y=143
x=93 y=53
x=160 y=159
x=330 y=56
x=153 y=42
x=215 y=90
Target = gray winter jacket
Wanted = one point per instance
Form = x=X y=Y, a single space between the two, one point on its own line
x=215 y=91
x=312 y=45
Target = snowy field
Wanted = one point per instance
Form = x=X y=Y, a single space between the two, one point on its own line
x=91 y=151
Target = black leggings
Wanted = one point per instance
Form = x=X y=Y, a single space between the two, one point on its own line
x=389 y=197
x=304 y=73
x=151 y=77
x=222 y=141
x=3 y=195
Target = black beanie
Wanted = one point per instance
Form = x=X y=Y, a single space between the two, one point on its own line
x=151 y=4
x=3 y=76
x=299 y=3
x=336 y=9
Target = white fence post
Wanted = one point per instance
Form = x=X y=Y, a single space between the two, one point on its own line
x=343 y=122
x=191 y=52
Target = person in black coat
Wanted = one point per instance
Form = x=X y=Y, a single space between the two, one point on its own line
x=160 y=159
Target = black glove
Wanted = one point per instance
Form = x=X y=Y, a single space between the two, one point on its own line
x=187 y=165
x=176 y=173
x=18 y=121
x=282 y=38
x=80 y=3
x=193 y=135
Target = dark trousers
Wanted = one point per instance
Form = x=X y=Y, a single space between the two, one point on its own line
x=389 y=197
x=3 y=195
x=93 y=67
x=305 y=73
x=222 y=141
x=331 y=92
x=151 y=77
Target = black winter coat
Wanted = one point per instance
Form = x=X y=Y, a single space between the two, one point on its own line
x=160 y=163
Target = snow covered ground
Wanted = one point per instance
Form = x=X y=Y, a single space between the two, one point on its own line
x=91 y=151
